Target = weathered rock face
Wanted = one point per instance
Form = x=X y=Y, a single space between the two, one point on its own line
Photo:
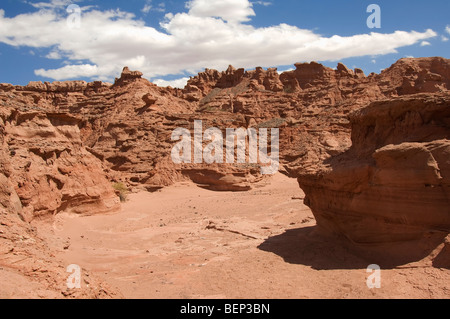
x=44 y=170
x=393 y=184
x=411 y=76
x=128 y=125
x=47 y=167
x=128 y=76
x=57 y=87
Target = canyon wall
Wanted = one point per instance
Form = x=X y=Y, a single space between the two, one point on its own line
x=65 y=143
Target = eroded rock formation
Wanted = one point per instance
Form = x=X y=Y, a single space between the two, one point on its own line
x=379 y=175
x=393 y=184
x=128 y=125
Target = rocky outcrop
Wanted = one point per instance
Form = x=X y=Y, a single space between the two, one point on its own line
x=128 y=125
x=307 y=75
x=411 y=76
x=128 y=76
x=45 y=170
x=393 y=184
x=49 y=169
x=202 y=84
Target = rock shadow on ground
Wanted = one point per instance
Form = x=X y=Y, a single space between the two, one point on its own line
x=309 y=246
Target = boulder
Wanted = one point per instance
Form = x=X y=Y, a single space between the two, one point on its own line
x=394 y=182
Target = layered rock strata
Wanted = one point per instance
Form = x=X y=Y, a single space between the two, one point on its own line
x=393 y=184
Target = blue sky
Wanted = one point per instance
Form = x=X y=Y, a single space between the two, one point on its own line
x=172 y=40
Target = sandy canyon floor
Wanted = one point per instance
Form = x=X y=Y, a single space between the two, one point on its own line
x=189 y=242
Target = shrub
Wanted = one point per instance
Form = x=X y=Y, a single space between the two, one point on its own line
x=122 y=190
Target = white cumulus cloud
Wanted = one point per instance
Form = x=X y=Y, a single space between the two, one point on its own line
x=263 y=3
x=230 y=10
x=209 y=35
x=147 y=7
x=178 y=83
x=70 y=71
x=52 y=3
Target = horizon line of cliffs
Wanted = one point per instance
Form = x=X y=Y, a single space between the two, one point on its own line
x=304 y=76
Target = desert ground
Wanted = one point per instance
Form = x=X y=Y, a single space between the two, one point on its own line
x=191 y=243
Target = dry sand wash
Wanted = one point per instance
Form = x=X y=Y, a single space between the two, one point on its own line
x=189 y=242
